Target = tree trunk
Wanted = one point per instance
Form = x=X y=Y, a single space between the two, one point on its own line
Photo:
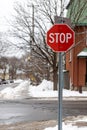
x=4 y=73
x=55 y=72
x=55 y=80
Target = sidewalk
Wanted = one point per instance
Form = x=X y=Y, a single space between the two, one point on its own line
x=75 y=98
x=29 y=126
x=79 y=121
x=41 y=125
x=71 y=98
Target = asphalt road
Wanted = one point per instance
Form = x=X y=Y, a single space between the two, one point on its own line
x=38 y=110
x=26 y=110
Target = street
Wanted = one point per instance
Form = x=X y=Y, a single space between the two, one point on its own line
x=38 y=110
x=28 y=110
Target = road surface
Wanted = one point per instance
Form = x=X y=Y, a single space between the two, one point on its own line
x=38 y=110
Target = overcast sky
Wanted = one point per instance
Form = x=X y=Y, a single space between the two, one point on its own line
x=6 y=6
x=6 y=12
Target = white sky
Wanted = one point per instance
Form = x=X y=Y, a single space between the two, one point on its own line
x=6 y=11
x=6 y=7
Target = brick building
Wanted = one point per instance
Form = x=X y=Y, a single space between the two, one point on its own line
x=76 y=58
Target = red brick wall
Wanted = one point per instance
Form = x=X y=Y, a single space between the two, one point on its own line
x=82 y=72
x=77 y=66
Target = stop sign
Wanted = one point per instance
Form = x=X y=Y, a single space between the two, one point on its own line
x=60 y=37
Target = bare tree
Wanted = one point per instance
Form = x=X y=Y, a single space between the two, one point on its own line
x=3 y=43
x=14 y=65
x=9 y=67
x=30 y=29
x=32 y=37
x=3 y=66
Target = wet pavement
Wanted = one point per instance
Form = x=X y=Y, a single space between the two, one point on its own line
x=29 y=110
x=38 y=110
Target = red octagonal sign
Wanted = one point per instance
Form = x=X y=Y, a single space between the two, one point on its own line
x=60 y=37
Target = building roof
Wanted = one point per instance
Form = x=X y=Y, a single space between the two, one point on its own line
x=77 y=12
x=80 y=24
x=70 y=2
x=83 y=53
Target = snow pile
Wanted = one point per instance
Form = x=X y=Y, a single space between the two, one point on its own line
x=45 y=89
x=69 y=93
x=18 y=81
x=7 y=93
x=72 y=123
x=15 y=93
x=25 y=90
x=22 y=89
x=67 y=127
x=45 y=85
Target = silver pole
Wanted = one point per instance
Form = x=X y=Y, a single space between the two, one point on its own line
x=60 y=80
x=60 y=91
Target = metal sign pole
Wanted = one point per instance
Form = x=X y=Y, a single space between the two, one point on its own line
x=60 y=85
x=60 y=80
x=60 y=91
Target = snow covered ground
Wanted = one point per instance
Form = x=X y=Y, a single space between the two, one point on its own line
x=76 y=123
x=67 y=127
x=45 y=89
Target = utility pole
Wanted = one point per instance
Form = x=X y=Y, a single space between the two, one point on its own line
x=32 y=26
x=32 y=23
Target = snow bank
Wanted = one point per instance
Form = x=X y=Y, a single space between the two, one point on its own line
x=7 y=93
x=69 y=93
x=45 y=89
x=19 y=92
x=71 y=124
x=67 y=127
x=22 y=87
x=45 y=86
x=18 y=81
